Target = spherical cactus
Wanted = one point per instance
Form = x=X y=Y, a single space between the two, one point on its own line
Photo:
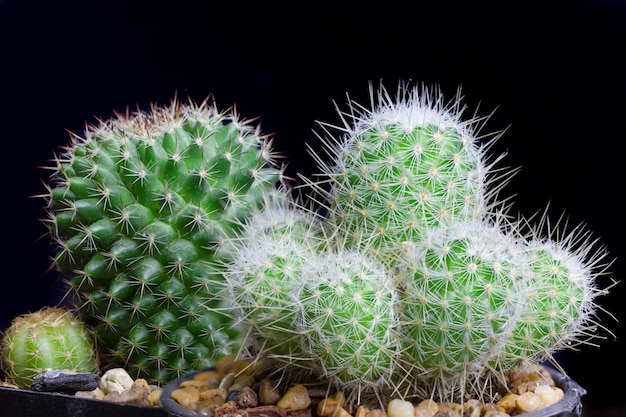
x=138 y=209
x=272 y=258
x=461 y=294
x=331 y=313
x=50 y=338
x=349 y=304
x=559 y=307
x=406 y=165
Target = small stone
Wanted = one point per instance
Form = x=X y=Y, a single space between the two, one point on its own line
x=296 y=398
x=242 y=381
x=95 y=394
x=227 y=381
x=376 y=412
x=472 y=408
x=426 y=408
x=329 y=405
x=64 y=381
x=208 y=394
x=155 y=396
x=134 y=395
x=528 y=378
x=186 y=396
x=400 y=408
x=496 y=413
x=549 y=395
x=232 y=396
x=116 y=379
x=247 y=398
x=529 y=401
x=508 y=403
x=447 y=413
x=269 y=392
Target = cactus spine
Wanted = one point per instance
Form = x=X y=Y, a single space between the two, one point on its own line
x=138 y=210
x=50 y=338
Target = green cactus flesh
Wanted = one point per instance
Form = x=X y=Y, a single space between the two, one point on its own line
x=50 y=338
x=138 y=209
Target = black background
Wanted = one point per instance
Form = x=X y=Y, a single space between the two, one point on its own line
x=553 y=71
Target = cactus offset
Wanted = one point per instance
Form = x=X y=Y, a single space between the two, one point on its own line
x=562 y=278
x=330 y=313
x=138 y=209
x=349 y=316
x=462 y=293
x=404 y=166
x=267 y=274
x=50 y=338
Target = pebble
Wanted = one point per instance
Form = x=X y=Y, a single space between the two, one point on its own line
x=116 y=379
x=549 y=395
x=296 y=398
x=426 y=408
x=63 y=381
x=529 y=401
x=400 y=408
x=269 y=392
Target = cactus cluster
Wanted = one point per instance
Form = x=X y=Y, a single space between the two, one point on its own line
x=139 y=208
x=419 y=282
x=398 y=270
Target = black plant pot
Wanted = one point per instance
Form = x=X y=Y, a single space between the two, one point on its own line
x=25 y=403
x=569 y=406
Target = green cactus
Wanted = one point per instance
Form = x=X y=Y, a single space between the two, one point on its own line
x=302 y=303
x=349 y=317
x=412 y=183
x=462 y=293
x=402 y=167
x=268 y=272
x=138 y=210
x=559 y=309
x=50 y=338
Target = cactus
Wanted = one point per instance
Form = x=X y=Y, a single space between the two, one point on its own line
x=402 y=167
x=138 y=210
x=349 y=317
x=562 y=275
x=462 y=293
x=411 y=184
x=50 y=338
x=267 y=274
x=306 y=303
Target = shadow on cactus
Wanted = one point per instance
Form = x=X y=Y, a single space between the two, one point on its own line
x=418 y=281
x=138 y=208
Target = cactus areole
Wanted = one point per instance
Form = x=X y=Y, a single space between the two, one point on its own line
x=138 y=208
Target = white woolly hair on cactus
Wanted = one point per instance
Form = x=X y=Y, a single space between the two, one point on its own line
x=407 y=163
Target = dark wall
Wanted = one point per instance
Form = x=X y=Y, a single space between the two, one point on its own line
x=553 y=71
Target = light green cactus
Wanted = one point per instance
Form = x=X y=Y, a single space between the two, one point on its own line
x=50 y=338
x=271 y=263
x=562 y=269
x=462 y=293
x=138 y=209
x=408 y=164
